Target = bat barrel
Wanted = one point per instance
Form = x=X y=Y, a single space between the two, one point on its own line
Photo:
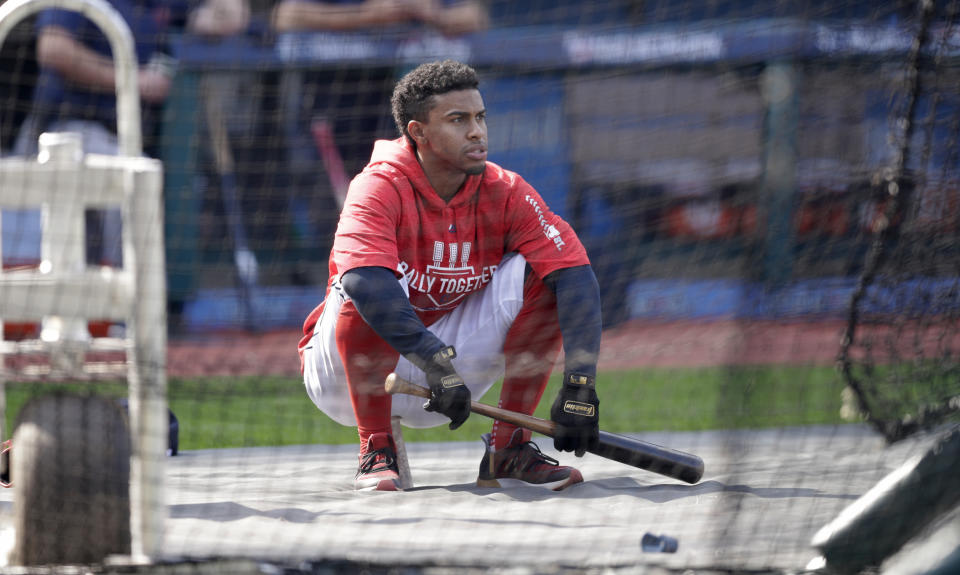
x=669 y=462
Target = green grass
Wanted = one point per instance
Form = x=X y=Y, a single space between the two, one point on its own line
x=253 y=411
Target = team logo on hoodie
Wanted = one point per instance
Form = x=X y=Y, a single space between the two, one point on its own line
x=449 y=278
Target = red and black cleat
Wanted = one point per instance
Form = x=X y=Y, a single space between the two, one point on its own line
x=378 y=465
x=522 y=463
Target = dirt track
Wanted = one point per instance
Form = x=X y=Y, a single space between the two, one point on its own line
x=634 y=344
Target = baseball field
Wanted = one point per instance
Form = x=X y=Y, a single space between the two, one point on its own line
x=262 y=476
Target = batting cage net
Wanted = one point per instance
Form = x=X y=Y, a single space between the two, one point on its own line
x=768 y=193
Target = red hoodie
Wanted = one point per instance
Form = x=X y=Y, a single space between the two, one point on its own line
x=393 y=218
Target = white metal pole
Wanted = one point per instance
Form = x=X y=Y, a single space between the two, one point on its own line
x=147 y=359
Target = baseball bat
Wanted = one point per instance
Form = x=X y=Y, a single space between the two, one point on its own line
x=323 y=139
x=243 y=257
x=634 y=452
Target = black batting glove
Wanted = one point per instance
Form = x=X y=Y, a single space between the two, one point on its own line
x=576 y=411
x=448 y=394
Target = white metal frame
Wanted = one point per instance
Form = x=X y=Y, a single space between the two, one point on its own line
x=62 y=182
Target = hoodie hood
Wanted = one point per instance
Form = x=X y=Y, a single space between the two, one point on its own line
x=400 y=154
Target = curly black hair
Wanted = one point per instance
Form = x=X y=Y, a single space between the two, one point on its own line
x=413 y=94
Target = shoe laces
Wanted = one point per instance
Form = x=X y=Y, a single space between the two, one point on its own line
x=529 y=456
x=377 y=460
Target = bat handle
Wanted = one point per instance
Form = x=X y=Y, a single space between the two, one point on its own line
x=395 y=384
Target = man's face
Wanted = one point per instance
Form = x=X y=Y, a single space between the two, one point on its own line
x=455 y=133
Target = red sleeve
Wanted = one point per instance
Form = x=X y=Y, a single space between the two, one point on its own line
x=367 y=231
x=546 y=241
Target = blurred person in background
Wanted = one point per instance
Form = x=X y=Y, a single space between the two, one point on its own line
x=452 y=272
x=76 y=92
x=354 y=101
x=334 y=114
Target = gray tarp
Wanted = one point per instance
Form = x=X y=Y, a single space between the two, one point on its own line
x=763 y=496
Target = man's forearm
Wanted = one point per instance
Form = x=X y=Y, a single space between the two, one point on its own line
x=57 y=49
x=578 y=312
x=219 y=18
x=382 y=303
x=463 y=18
x=292 y=16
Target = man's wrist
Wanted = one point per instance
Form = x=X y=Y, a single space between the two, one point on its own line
x=441 y=372
x=444 y=355
x=579 y=380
